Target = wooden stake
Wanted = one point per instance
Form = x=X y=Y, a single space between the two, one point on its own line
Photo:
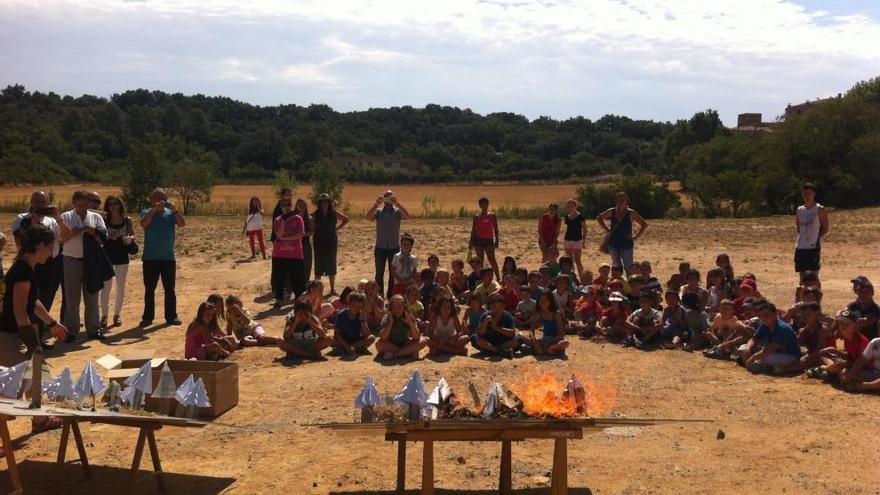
x=401 y=467
x=505 y=476
x=559 y=480
x=154 y=454
x=37 y=377
x=81 y=448
x=9 y=453
x=428 y=467
x=138 y=453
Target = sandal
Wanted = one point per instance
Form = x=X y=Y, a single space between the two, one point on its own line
x=117 y=321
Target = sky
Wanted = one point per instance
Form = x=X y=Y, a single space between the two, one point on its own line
x=646 y=59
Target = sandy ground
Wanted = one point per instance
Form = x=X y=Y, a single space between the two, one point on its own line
x=783 y=435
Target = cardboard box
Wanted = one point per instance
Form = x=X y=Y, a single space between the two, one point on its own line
x=221 y=383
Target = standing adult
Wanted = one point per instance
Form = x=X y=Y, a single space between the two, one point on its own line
x=387 y=212
x=287 y=255
x=619 y=238
x=160 y=223
x=327 y=222
x=549 y=224
x=484 y=235
x=575 y=234
x=284 y=194
x=812 y=225
x=87 y=233
x=119 y=246
x=50 y=273
x=302 y=209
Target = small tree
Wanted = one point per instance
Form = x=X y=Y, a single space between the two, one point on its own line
x=283 y=180
x=738 y=187
x=193 y=181
x=146 y=171
x=326 y=178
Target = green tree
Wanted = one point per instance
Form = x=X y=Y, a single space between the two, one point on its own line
x=736 y=187
x=326 y=179
x=193 y=181
x=283 y=180
x=146 y=170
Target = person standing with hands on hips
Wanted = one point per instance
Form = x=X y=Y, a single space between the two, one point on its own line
x=387 y=212
x=484 y=235
x=159 y=224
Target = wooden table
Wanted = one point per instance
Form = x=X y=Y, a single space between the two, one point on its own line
x=70 y=418
x=485 y=431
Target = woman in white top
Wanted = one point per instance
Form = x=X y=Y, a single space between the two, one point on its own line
x=445 y=335
x=253 y=226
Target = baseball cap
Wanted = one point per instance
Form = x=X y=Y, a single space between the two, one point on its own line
x=604 y=265
x=615 y=282
x=848 y=314
x=324 y=197
x=862 y=280
x=587 y=289
x=615 y=296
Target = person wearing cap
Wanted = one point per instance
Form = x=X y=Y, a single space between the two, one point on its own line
x=326 y=241
x=747 y=289
x=854 y=344
x=387 y=212
x=812 y=225
x=619 y=238
x=865 y=306
x=496 y=333
x=774 y=346
x=613 y=322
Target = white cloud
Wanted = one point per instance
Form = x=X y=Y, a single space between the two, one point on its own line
x=234 y=70
x=307 y=74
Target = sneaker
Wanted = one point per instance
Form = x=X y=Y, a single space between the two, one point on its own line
x=507 y=353
x=96 y=336
x=117 y=321
x=688 y=347
x=174 y=323
x=640 y=345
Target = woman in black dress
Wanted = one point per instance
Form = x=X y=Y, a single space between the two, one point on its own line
x=326 y=222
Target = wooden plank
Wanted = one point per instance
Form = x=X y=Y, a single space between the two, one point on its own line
x=559 y=478
x=505 y=481
x=428 y=468
x=154 y=455
x=401 y=468
x=62 y=445
x=136 y=461
x=483 y=435
x=9 y=453
x=81 y=448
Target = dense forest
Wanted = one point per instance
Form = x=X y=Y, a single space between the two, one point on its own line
x=47 y=138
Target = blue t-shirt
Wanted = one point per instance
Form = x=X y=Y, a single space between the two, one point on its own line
x=159 y=236
x=349 y=328
x=783 y=336
x=506 y=321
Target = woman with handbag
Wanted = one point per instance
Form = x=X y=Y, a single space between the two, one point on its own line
x=619 y=240
x=119 y=247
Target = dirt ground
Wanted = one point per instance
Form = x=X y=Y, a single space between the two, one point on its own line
x=783 y=435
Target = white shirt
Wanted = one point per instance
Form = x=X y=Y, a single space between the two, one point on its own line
x=254 y=222
x=809 y=226
x=73 y=248
x=49 y=222
x=405 y=266
x=872 y=354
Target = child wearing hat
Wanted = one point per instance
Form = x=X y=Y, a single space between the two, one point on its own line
x=854 y=343
x=613 y=322
x=865 y=306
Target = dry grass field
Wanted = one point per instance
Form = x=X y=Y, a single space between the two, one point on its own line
x=783 y=435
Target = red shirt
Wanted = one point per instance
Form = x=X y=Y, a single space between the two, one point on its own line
x=485 y=226
x=856 y=345
x=614 y=316
x=548 y=227
x=511 y=299
x=586 y=310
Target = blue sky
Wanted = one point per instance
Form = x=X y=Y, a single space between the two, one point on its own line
x=650 y=59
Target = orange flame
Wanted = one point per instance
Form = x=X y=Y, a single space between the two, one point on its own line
x=541 y=394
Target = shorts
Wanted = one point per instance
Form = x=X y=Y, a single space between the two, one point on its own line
x=484 y=243
x=669 y=332
x=807 y=260
x=495 y=340
x=573 y=245
x=779 y=359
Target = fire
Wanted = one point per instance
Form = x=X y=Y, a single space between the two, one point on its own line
x=542 y=395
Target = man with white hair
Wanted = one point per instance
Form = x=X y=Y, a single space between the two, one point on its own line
x=159 y=224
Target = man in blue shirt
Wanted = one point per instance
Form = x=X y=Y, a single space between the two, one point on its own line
x=779 y=347
x=159 y=224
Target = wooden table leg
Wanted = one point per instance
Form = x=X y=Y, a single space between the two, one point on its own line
x=505 y=484
x=9 y=453
x=138 y=452
x=81 y=447
x=428 y=468
x=559 y=481
x=62 y=446
x=154 y=454
x=401 y=467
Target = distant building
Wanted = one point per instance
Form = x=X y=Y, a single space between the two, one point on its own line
x=805 y=106
x=385 y=162
x=751 y=123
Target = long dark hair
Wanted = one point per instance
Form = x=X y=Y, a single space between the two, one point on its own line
x=118 y=199
x=549 y=295
x=33 y=237
x=200 y=313
x=252 y=206
x=330 y=211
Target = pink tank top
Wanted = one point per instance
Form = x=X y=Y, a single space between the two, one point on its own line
x=485 y=226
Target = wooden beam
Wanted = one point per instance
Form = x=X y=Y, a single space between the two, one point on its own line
x=138 y=453
x=401 y=467
x=62 y=445
x=81 y=448
x=505 y=482
x=428 y=468
x=559 y=478
x=154 y=455
x=9 y=453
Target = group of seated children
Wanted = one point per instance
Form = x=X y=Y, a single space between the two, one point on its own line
x=533 y=311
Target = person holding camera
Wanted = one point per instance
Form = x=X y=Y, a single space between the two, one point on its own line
x=159 y=223
x=387 y=212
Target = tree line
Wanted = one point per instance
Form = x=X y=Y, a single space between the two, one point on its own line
x=140 y=138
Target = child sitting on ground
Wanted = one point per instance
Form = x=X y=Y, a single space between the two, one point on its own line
x=563 y=297
x=795 y=314
x=488 y=285
x=566 y=267
x=457 y=279
x=692 y=286
x=677 y=280
x=674 y=331
x=635 y=292
x=496 y=333
x=618 y=276
x=722 y=262
x=340 y=302
x=865 y=306
x=604 y=275
x=644 y=324
x=864 y=374
x=433 y=262
x=374 y=307
x=854 y=343
x=525 y=309
x=428 y=286
x=314 y=296
x=550 y=319
x=404 y=265
x=401 y=336
x=809 y=279
x=522 y=276
x=510 y=292
x=552 y=264
x=814 y=334
x=243 y=326
x=588 y=311
x=475 y=277
x=351 y=335
x=473 y=315
x=304 y=337
x=199 y=344
x=718 y=291
x=441 y=278
x=414 y=305
x=649 y=281
x=774 y=346
x=726 y=333
x=445 y=334
x=613 y=322
x=696 y=320
x=225 y=340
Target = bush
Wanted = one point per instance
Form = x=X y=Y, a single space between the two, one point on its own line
x=146 y=171
x=283 y=180
x=326 y=179
x=193 y=181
